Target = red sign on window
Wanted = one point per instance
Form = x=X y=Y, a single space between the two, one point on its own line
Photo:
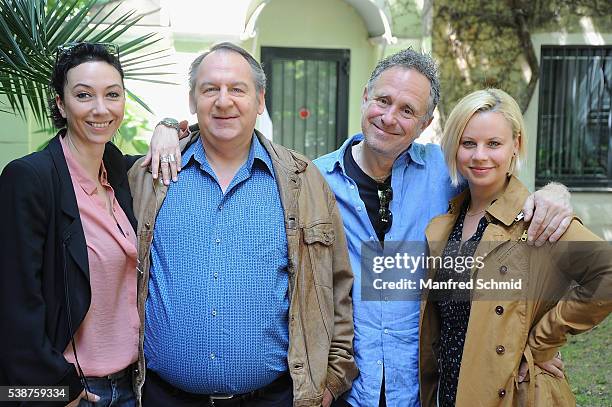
x=304 y=113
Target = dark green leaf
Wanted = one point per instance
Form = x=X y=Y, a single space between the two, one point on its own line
x=139 y=101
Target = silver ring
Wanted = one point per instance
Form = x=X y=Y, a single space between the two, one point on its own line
x=171 y=158
x=164 y=159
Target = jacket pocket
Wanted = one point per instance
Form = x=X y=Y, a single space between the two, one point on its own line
x=549 y=390
x=319 y=239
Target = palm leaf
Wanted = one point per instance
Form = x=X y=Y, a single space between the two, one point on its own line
x=31 y=31
x=139 y=101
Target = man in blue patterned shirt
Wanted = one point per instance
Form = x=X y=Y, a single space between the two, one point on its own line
x=247 y=275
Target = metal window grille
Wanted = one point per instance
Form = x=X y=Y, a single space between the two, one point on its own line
x=307 y=97
x=574 y=144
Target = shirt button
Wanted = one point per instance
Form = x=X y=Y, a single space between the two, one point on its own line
x=217 y=240
x=212 y=355
x=379 y=362
x=216 y=275
x=386 y=331
x=499 y=310
x=500 y=349
x=501 y=393
x=358 y=208
x=214 y=312
x=220 y=207
x=352 y=186
x=503 y=269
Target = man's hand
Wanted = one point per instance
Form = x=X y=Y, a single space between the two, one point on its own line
x=554 y=366
x=165 y=143
x=552 y=216
x=85 y=396
x=327 y=398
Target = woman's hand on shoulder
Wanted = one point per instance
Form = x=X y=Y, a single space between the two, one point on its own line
x=164 y=153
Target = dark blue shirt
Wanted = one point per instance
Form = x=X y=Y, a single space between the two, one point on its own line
x=217 y=310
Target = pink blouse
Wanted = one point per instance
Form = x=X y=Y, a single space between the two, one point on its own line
x=107 y=339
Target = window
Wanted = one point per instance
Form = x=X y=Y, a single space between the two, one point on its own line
x=574 y=143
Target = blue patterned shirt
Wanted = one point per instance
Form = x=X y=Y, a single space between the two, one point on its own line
x=217 y=310
x=387 y=332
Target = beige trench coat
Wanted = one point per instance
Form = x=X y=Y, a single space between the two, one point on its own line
x=504 y=328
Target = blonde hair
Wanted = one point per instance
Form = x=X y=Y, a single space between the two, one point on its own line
x=488 y=100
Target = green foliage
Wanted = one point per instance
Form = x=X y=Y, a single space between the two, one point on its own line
x=587 y=365
x=483 y=44
x=31 y=31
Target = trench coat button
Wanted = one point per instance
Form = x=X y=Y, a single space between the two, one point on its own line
x=503 y=269
x=501 y=393
x=148 y=225
x=499 y=310
x=500 y=349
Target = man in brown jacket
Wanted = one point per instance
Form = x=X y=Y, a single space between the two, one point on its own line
x=244 y=278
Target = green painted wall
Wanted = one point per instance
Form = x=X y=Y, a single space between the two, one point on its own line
x=19 y=136
x=320 y=24
x=14 y=140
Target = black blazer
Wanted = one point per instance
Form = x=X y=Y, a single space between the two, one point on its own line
x=43 y=257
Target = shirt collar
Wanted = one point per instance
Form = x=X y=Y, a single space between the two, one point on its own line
x=257 y=153
x=414 y=152
x=78 y=173
x=338 y=155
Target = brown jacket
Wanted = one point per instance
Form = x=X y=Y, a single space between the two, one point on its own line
x=320 y=279
x=503 y=327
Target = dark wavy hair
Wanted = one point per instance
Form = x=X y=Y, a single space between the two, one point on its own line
x=68 y=58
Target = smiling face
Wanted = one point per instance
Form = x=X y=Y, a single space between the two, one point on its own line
x=485 y=151
x=394 y=111
x=225 y=98
x=94 y=102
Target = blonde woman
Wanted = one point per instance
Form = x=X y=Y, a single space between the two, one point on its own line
x=474 y=341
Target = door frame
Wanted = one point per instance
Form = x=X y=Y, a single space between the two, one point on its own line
x=341 y=56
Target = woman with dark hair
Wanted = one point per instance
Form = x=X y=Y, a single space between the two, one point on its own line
x=68 y=264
